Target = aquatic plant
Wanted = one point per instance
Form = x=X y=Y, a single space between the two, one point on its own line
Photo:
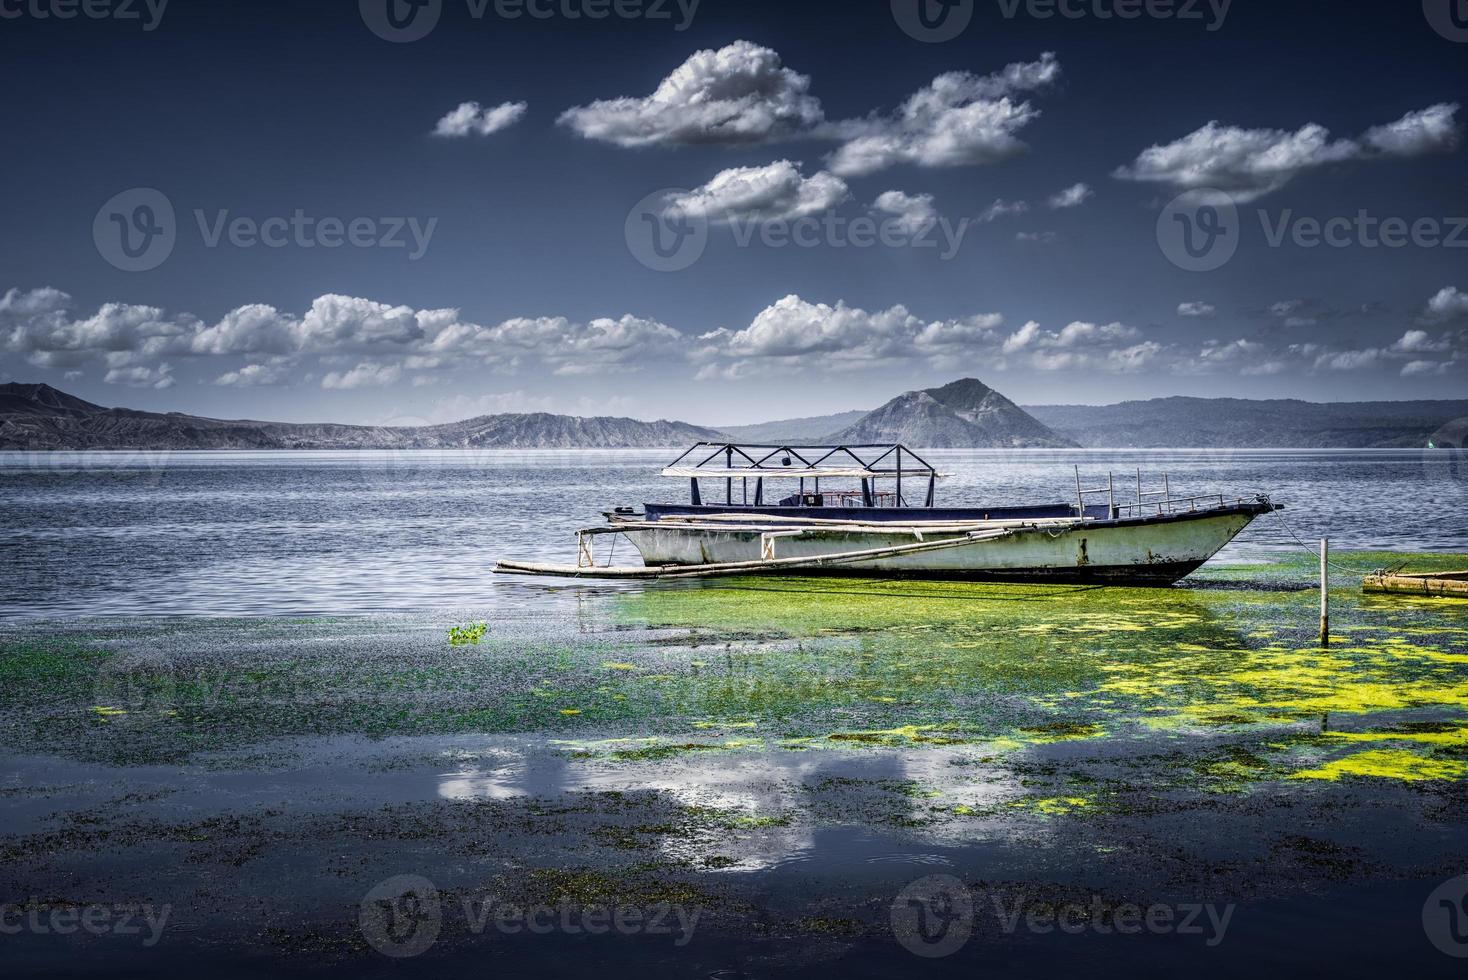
x=466 y=635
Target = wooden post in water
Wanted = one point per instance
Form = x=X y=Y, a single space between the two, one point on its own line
x=1325 y=592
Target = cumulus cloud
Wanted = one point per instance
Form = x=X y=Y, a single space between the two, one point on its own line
x=1250 y=163
x=473 y=119
x=1197 y=309
x=776 y=192
x=1002 y=209
x=1432 y=130
x=913 y=213
x=1421 y=342
x=141 y=376
x=1073 y=335
x=739 y=94
x=255 y=375
x=343 y=342
x=1449 y=303
x=136 y=343
x=364 y=375
x=1072 y=197
x=1416 y=368
x=960 y=119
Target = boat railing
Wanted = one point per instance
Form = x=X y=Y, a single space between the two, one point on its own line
x=1121 y=503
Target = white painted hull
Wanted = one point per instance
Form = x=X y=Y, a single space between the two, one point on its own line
x=1151 y=551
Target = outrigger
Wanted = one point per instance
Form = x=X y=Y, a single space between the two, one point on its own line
x=863 y=522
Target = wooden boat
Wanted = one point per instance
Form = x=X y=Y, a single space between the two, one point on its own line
x=1451 y=584
x=868 y=527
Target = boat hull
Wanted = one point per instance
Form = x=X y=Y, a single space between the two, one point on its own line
x=1147 y=551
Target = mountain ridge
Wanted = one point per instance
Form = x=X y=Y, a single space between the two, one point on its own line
x=33 y=417
x=963 y=414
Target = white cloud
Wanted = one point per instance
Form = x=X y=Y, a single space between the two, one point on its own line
x=1432 y=130
x=1197 y=309
x=793 y=327
x=1071 y=197
x=1421 y=342
x=364 y=375
x=254 y=375
x=739 y=94
x=1449 y=303
x=1037 y=237
x=1349 y=360
x=914 y=212
x=1002 y=209
x=141 y=376
x=776 y=192
x=1415 y=368
x=473 y=119
x=1249 y=163
x=960 y=119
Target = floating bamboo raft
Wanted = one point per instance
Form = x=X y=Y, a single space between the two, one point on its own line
x=1451 y=584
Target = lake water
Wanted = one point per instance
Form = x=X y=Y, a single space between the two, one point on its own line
x=344 y=533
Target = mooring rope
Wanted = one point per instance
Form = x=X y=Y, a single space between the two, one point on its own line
x=1301 y=542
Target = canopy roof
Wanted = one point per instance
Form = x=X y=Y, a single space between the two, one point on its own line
x=730 y=460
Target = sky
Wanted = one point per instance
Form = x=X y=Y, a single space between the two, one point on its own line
x=729 y=211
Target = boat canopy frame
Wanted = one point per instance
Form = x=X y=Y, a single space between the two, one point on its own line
x=866 y=462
